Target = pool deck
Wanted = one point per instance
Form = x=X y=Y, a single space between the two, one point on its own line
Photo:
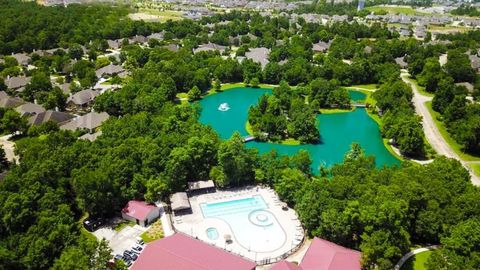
x=196 y=225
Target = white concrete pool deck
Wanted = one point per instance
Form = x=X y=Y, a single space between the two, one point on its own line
x=196 y=225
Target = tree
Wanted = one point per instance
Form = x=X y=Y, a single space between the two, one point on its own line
x=40 y=83
x=458 y=66
x=13 y=122
x=194 y=94
x=290 y=183
x=75 y=51
x=3 y=160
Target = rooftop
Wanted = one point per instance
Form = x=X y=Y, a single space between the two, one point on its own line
x=138 y=209
x=181 y=252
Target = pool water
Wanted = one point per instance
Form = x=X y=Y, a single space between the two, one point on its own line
x=212 y=233
x=253 y=226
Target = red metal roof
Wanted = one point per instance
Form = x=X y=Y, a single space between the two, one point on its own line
x=181 y=252
x=325 y=255
x=138 y=209
x=285 y=265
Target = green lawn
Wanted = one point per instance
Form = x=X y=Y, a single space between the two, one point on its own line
x=443 y=130
x=153 y=233
x=120 y=226
x=332 y=111
x=421 y=89
x=289 y=141
x=364 y=86
x=417 y=262
x=394 y=10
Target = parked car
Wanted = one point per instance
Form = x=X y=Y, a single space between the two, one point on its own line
x=118 y=257
x=91 y=223
x=129 y=254
x=140 y=241
x=137 y=248
x=128 y=263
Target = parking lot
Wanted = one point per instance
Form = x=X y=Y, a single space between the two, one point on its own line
x=121 y=240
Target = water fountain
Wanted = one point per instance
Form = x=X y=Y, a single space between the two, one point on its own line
x=224 y=107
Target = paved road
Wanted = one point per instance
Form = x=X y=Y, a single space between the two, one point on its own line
x=9 y=147
x=412 y=253
x=432 y=133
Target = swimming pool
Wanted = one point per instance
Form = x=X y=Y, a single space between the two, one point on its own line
x=212 y=233
x=254 y=227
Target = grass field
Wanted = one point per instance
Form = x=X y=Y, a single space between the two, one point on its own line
x=289 y=141
x=123 y=224
x=417 y=262
x=364 y=87
x=476 y=168
x=156 y=15
x=443 y=130
x=394 y=10
x=332 y=111
x=154 y=232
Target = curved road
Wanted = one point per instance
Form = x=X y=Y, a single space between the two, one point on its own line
x=412 y=253
x=432 y=133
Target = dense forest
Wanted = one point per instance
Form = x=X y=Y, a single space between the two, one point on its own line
x=153 y=145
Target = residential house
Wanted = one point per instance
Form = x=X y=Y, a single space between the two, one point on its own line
x=29 y=109
x=110 y=70
x=89 y=121
x=52 y=116
x=17 y=83
x=90 y=136
x=114 y=44
x=82 y=99
x=258 y=55
x=401 y=62
x=210 y=47
x=321 y=46
x=11 y=102
x=182 y=252
x=158 y=36
x=22 y=58
x=140 y=212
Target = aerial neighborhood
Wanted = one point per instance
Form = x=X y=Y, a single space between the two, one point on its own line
x=240 y=135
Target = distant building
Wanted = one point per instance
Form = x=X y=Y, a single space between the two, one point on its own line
x=89 y=121
x=52 y=116
x=109 y=71
x=29 y=109
x=17 y=83
x=258 y=55
x=140 y=212
x=210 y=47
x=82 y=99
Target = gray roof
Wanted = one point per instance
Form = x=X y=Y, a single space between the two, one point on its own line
x=158 y=36
x=54 y=116
x=321 y=46
x=83 y=97
x=401 y=62
x=3 y=94
x=171 y=47
x=109 y=70
x=90 y=136
x=209 y=47
x=17 y=82
x=179 y=201
x=89 y=121
x=114 y=44
x=11 y=102
x=29 y=109
x=22 y=58
x=200 y=185
x=259 y=55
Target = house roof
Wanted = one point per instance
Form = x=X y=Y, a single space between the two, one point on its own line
x=259 y=55
x=200 y=185
x=138 y=209
x=17 y=82
x=321 y=46
x=181 y=252
x=285 y=265
x=29 y=109
x=179 y=201
x=54 y=116
x=110 y=70
x=325 y=255
x=90 y=136
x=209 y=47
x=83 y=97
x=11 y=102
x=90 y=121
x=22 y=58
x=3 y=94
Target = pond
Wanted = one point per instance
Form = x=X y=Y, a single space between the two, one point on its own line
x=227 y=112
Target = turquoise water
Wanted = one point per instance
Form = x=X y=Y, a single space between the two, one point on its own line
x=338 y=131
x=212 y=233
x=253 y=226
x=357 y=96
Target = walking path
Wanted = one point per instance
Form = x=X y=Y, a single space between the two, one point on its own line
x=411 y=254
x=9 y=147
x=432 y=133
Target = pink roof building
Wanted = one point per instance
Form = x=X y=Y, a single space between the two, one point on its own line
x=181 y=252
x=325 y=255
x=140 y=212
x=285 y=265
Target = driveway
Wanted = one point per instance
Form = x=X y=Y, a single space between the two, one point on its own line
x=432 y=133
x=122 y=240
x=9 y=147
